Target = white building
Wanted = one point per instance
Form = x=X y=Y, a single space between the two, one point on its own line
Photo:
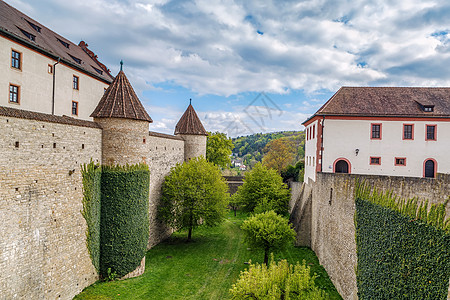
x=396 y=131
x=42 y=71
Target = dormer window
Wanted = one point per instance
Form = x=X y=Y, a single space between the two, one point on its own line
x=65 y=44
x=35 y=27
x=98 y=70
x=76 y=59
x=28 y=35
x=428 y=108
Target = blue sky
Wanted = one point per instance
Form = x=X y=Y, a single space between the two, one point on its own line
x=255 y=66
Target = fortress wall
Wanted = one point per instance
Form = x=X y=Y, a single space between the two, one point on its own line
x=43 y=252
x=332 y=224
x=164 y=152
x=194 y=146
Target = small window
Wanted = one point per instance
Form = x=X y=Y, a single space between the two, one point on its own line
x=34 y=26
x=75 y=108
x=76 y=59
x=104 y=90
x=28 y=35
x=408 y=131
x=375 y=132
x=428 y=108
x=98 y=70
x=50 y=69
x=375 y=160
x=14 y=93
x=65 y=44
x=400 y=161
x=314 y=131
x=431 y=132
x=16 y=59
x=76 y=80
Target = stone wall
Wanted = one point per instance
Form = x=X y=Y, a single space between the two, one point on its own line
x=194 y=146
x=234 y=182
x=331 y=228
x=164 y=152
x=43 y=252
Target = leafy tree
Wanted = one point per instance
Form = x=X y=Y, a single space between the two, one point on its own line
x=267 y=231
x=194 y=193
x=277 y=281
x=293 y=172
x=218 y=149
x=279 y=154
x=234 y=203
x=264 y=190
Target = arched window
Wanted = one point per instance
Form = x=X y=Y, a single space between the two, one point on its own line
x=429 y=168
x=342 y=165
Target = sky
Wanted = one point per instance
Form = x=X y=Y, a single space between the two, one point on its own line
x=255 y=66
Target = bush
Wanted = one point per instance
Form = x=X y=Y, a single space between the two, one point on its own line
x=124 y=218
x=194 y=193
x=267 y=231
x=294 y=172
x=264 y=190
x=277 y=281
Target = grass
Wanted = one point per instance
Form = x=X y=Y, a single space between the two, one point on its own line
x=206 y=268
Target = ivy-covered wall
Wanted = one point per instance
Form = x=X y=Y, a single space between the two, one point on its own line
x=403 y=247
x=124 y=222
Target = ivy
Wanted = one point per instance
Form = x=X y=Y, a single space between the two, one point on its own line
x=91 y=174
x=124 y=218
x=403 y=247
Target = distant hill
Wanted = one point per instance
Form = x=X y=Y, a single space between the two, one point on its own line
x=250 y=148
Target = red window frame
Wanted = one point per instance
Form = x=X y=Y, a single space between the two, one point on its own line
x=371 y=131
x=375 y=164
x=76 y=108
x=412 y=132
x=396 y=164
x=426 y=132
x=16 y=93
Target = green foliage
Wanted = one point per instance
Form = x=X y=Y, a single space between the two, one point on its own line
x=403 y=249
x=218 y=149
x=124 y=218
x=234 y=203
x=264 y=190
x=194 y=193
x=279 y=154
x=277 y=281
x=91 y=174
x=294 y=172
x=268 y=231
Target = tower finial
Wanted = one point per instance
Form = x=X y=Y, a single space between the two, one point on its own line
x=190 y=101
x=121 y=65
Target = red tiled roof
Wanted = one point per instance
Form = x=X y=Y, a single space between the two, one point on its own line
x=31 y=115
x=14 y=25
x=190 y=123
x=388 y=101
x=120 y=101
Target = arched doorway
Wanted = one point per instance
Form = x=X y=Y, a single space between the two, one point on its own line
x=341 y=165
x=429 y=168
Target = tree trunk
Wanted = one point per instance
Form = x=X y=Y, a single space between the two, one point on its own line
x=189 y=234
x=235 y=212
x=266 y=256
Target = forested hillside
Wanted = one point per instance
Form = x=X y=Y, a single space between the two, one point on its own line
x=250 y=148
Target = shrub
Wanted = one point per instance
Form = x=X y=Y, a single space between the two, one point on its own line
x=277 y=281
x=264 y=190
x=124 y=218
x=267 y=231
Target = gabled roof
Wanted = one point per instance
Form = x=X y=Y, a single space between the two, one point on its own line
x=388 y=101
x=120 y=101
x=190 y=123
x=24 y=30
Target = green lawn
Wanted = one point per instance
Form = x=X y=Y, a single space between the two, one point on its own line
x=203 y=269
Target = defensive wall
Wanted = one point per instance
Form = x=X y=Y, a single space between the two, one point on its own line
x=322 y=213
x=43 y=253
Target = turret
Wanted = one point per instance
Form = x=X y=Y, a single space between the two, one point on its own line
x=124 y=122
x=191 y=129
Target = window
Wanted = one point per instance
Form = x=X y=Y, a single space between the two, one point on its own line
x=75 y=108
x=428 y=108
x=431 y=133
x=76 y=59
x=28 y=35
x=400 y=161
x=50 y=69
x=375 y=160
x=65 y=44
x=14 y=93
x=408 y=131
x=375 y=132
x=98 y=70
x=35 y=27
x=16 y=59
x=75 y=82
x=314 y=131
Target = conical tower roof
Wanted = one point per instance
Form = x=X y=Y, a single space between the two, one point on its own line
x=120 y=101
x=190 y=123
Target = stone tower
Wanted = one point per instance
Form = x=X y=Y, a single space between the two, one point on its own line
x=124 y=122
x=191 y=129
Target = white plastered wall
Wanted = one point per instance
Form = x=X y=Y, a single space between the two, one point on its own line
x=311 y=151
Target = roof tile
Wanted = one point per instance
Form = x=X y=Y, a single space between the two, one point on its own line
x=190 y=123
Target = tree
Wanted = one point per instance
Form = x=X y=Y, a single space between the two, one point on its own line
x=279 y=154
x=234 y=203
x=194 y=193
x=277 y=281
x=218 y=149
x=264 y=190
x=267 y=231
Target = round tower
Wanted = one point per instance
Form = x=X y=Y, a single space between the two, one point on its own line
x=124 y=122
x=191 y=130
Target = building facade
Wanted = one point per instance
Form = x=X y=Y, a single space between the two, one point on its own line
x=395 y=131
